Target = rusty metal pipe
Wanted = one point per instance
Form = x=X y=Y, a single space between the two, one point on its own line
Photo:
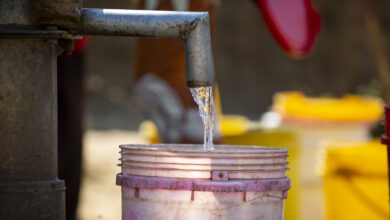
x=192 y=27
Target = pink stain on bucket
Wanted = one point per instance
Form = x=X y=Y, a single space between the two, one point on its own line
x=133 y=216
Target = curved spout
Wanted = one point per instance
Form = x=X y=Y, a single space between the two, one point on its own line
x=192 y=27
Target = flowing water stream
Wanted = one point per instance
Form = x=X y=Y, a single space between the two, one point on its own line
x=203 y=96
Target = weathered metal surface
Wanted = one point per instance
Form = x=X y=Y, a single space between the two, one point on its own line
x=28 y=123
x=28 y=112
x=36 y=33
x=17 y=13
x=193 y=27
x=139 y=23
x=62 y=13
x=29 y=188
x=32 y=199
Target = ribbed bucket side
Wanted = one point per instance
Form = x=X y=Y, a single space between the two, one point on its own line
x=191 y=161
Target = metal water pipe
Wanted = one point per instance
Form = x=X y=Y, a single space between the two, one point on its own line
x=29 y=35
x=192 y=27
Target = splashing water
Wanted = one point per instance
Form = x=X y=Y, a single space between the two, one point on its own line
x=203 y=96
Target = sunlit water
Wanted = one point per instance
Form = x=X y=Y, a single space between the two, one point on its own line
x=203 y=96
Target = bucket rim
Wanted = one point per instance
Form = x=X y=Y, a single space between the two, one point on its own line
x=198 y=148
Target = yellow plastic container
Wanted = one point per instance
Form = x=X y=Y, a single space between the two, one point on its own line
x=318 y=119
x=356 y=181
x=350 y=108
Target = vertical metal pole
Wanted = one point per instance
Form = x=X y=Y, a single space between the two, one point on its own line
x=29 y=188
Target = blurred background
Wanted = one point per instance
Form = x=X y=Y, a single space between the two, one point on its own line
x=350 y=57
x=245 y=52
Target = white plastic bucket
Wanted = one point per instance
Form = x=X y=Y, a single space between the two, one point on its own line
x=184 y=182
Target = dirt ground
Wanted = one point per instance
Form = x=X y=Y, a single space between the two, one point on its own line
x=100 y=197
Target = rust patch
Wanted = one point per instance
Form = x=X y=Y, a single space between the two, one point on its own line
x=62 y=13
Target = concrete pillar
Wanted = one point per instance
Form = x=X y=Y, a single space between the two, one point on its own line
x=29 y=188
